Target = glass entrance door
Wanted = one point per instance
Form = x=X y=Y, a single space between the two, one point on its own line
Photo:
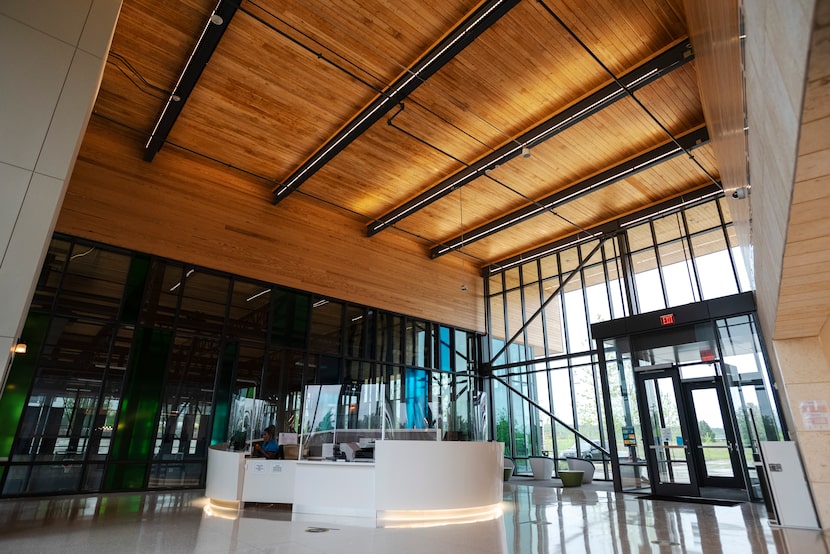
x=666 y=432
x=717 y=452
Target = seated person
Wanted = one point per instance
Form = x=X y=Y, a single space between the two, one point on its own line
x=268 y=448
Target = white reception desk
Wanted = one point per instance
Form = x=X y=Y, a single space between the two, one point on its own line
x=409 y=482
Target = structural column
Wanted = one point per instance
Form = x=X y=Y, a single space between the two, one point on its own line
x=52 y=57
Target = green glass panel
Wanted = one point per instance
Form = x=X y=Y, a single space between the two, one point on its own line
x=125 y=477
x=135 y=432
x=121 y=504
x=224 y=388
x=290 y=316
x=19 y=381
x=134 y=291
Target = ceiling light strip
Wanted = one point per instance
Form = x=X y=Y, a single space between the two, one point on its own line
x=212 y=32
x=689 y=141
x=672 y=206
x=435 y=59
x=546 y=252
x=257 y=295
x=635 y=79
x=698 y=196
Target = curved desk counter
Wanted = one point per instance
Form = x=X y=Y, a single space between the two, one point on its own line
x=409 y=481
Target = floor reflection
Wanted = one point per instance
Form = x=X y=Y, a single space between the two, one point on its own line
x=582 y=520
x=535 y=519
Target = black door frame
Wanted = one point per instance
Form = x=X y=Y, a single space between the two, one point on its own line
x=642 y=374
x=737 y=481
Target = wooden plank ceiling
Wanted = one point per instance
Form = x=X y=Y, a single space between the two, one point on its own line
x=287 y=75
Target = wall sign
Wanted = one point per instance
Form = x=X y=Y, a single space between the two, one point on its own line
x=815 y=414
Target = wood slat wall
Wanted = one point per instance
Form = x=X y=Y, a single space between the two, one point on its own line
x=777 y=44
x=179 y=208
x=804 y=301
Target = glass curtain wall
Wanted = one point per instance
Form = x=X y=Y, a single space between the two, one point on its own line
x=547 y=397
x=136 y=364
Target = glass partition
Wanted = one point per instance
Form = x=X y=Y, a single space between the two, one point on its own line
x=414 y=404
x=749 y=390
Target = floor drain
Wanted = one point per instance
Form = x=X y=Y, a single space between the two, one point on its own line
x=319 y=529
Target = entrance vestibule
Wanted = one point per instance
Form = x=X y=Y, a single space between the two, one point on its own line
x=688 y=397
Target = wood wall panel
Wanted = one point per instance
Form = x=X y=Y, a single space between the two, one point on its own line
x=804 y=301
x=776 y=64
x=177 y=208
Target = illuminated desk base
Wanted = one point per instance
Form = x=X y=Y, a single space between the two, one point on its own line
x=411 y=483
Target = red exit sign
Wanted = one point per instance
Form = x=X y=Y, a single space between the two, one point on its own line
x=667 y=319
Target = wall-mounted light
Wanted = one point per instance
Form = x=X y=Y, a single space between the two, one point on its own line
x=19 y=348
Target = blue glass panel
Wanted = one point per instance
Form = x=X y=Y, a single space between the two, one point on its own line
x=418 y=413
x=445 y=351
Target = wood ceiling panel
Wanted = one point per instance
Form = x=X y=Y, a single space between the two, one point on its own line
x=283 y=102
x=555 y=164
x=484 y=197
x=608 y=204
x=671 y=179
x=270 y=97
x=536 y=232
x=611 y=28
x=149 y=48
x=521 y=70
x=377 y=39
x=382 y=169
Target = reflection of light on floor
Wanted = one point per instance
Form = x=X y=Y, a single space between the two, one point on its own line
x=433 y=518
x=224 y=509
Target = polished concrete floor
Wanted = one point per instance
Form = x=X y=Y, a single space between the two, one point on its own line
x=535 y=519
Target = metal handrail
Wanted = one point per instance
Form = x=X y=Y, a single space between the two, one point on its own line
x=549 y=414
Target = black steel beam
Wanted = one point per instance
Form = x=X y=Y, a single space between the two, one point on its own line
x=662 y=153
x=208 y=41
x=461 y=37
x=698 y=196
x=647 y=72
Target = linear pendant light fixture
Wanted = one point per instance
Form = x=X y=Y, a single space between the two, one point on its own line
x=205 y=46
x=668 y=150
x=685 y=201
x=645 y=73
x=463 y=35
